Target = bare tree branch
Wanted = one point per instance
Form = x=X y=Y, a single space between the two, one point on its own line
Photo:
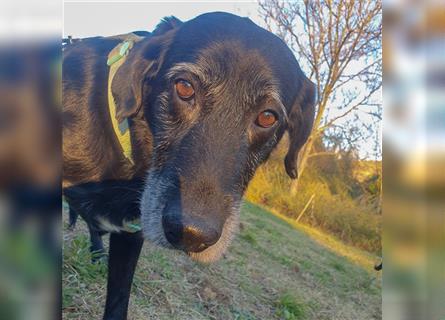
x=339 y=43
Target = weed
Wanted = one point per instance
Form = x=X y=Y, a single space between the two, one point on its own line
x=249 y=237
x=338 y=266
x=290 y=308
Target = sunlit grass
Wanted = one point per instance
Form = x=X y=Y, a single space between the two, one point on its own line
x=360 y=257
x=354 y=220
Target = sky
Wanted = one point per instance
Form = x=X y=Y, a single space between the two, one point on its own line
x=82 y=19
x=87 y=19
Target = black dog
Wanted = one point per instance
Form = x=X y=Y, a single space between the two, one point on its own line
x=206 y=102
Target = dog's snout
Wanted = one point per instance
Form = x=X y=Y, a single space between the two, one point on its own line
x=191 y=235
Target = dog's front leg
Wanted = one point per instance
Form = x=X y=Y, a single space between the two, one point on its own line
x=124 y=253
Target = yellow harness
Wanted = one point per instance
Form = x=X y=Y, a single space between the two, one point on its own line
x=115 y=60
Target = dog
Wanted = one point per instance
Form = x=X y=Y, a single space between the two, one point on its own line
x=205 y=102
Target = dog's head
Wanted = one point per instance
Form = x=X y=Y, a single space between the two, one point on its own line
x=218 y=93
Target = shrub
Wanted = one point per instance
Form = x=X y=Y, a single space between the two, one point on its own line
x=341 y=206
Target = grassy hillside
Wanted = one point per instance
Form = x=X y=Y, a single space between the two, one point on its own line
x=272 y=271
x=341 y=196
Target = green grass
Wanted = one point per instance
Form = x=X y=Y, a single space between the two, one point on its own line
x=290 y=308
x=271 y=271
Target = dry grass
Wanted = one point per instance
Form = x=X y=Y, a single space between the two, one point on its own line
x=272 y=271
x=354 y=221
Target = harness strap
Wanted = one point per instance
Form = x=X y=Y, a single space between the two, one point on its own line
x=116 y=58
x=132 y=226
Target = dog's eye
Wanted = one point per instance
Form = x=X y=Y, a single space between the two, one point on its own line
x=184 y=89
x=266 y=119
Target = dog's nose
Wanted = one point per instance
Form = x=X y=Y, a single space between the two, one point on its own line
x=191 y=235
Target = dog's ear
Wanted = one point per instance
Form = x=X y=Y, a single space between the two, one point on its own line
x=300 y=122
x=167 y=24
x=143 y=63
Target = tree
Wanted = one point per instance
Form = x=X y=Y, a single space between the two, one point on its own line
x=338 y=44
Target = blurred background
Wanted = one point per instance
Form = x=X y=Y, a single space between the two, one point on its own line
x=30 y=140
x=339 y=194
x=414 y=161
